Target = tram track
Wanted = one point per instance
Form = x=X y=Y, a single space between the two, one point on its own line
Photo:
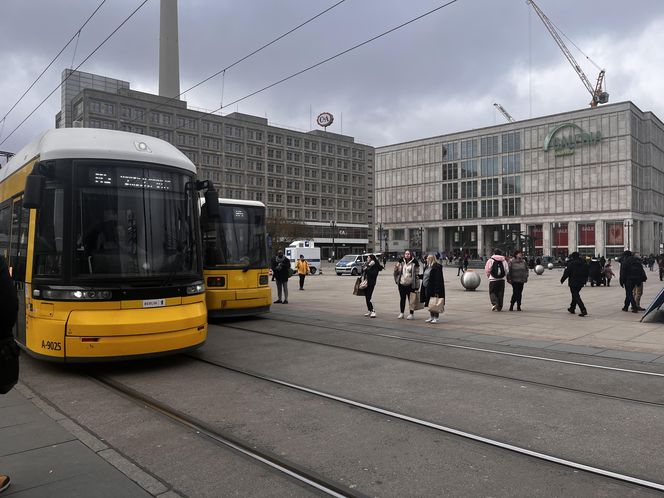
x=550 y=458
x=449 y=367
x=461 y=347
x=292 y=470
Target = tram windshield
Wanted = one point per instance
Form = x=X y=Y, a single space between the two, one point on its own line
x=134 y=222
x=237 y=239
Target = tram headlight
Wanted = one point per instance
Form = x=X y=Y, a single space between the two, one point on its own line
x=72 y=294
x=195 y=289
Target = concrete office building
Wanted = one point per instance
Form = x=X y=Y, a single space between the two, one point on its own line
x=319 y=179
x=590 y=180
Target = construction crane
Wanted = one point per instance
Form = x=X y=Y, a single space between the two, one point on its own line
x=599 y=96
x=502 y=110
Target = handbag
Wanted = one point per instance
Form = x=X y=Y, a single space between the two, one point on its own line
x=8 y=364
x=437 y=305
x=414 y=301
x=357 y=291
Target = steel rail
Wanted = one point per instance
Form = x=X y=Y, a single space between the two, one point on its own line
x=449 y=430
x=292 y=470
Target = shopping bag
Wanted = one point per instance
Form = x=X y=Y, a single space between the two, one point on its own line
x=437 y=304
x=414 y=301
x=357 y=291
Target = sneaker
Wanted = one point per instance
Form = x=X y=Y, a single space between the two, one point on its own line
x=434 y=320
x=400 y=316
x=372 y=315
x=494 y=307
x=277 y=301
x=367 y=313
x=583 y=313
x=4 y=482
x=285 y=301
x=410 y=317
x=572 y=311
x=429 y=320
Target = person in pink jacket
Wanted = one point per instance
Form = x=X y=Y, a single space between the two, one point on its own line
x=496 y=269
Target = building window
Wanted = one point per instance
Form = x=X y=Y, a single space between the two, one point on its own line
x=450 y=171
x=469 y=169
x=490 y=208
x=490 y=187
x=511 y=206
x=490 y=166
x=511 y=185
x=450 y=191
x=469 y=209
x=511 y=164
x=468 y=148
x=511 y=141
x=468 y=190
x=450 y=211
x=489 y=145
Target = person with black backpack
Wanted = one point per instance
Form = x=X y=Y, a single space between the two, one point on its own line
x=281 y=269
x=496 y=269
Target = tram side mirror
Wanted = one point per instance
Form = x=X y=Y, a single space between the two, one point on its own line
x=34 y=187
x=212 y=203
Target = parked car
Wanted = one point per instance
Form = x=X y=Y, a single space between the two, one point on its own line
x=351 y=264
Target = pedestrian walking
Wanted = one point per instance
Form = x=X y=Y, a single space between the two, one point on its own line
x=576 y=273
x=496 y=269
x=8 y=347
x=608 y=273
x=302 y=267
x=433 y=288
x=660 y=265
x=370 y=271
x=405 y=276
x=632 y=275
x=281 y=269
x=517 y=277
x=460 y=267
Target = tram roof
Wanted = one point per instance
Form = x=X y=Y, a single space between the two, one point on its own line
x=94 y=143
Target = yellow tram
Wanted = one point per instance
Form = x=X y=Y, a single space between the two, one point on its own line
x=101 y=232
x=235 y=259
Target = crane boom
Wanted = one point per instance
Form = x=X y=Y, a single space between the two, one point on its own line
x=598 y=95
x=502 y=110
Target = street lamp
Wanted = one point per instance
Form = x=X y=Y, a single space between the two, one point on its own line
x=380 y=236
x=333 y=225
x=421 y=229
x=628 y=226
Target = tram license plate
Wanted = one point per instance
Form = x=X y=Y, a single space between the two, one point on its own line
x=154 y=303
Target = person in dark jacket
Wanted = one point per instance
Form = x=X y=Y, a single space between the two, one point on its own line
x=595 y=272
x=281 y=267
x=632 y=275
x=577 y=274
x=433 y=285
x=370 y=271
x=8 y=315
x=517 y=276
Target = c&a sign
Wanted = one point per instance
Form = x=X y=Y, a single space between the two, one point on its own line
x=564 y=139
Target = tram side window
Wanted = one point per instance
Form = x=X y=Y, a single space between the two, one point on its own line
x=5 y=217
x=50 y=234
x=19 y=240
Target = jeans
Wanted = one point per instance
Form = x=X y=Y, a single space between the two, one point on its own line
x=404 y=292
x=576 y=298
x=282 y=285
x=496 y=293
x=368 y=292
x=517 y=292
x=302 y=281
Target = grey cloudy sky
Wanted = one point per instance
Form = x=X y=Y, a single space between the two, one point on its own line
x=438 y=75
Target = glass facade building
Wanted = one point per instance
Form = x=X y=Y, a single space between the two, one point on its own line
x=590 y=180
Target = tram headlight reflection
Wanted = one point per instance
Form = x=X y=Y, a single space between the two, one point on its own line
x=195 y=289
x=72 y=294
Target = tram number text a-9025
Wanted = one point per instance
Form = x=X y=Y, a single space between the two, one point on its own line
x=52 y=345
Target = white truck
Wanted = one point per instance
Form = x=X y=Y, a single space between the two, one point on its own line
x=304 y=248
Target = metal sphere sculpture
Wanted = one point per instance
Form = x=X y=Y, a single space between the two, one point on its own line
x=539 y=269
x=470 y=280
x=550 y=266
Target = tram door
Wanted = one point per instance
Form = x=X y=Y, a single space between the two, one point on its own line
x=18 y=252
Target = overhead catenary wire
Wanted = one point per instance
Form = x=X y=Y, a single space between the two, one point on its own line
x=75 y=35
x=238 y=61
x=324 y=61
x=82 y=62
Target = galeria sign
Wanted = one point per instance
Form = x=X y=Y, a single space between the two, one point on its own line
x=565 y=144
